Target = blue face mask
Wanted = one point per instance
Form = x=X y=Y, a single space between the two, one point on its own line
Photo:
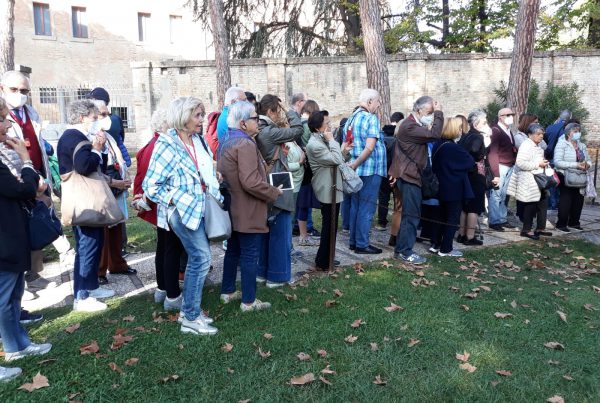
x=576 y=136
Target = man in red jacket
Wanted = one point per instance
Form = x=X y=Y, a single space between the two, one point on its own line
x=502 y=155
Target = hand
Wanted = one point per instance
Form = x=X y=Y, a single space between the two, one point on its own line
x=346 y=147
x=120 y=184
x=582 y=165
x=42 y=186
x=392 y=181
x=328 y=135
x=543 y=164
x=352 y=165
x=99 y=141
x=219 y=177
x=496 y=181
x=437 y=106
x=19 y=147
x=279 y=191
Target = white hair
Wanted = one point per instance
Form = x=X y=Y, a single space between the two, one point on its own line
x=422 y=102
x=232 y=94
x=14 y=74
x=78 y=109
x=367 y=95
x=99 y=103
x=158 y=122
x=476 y=116
x=239 y=111
x=180 y=111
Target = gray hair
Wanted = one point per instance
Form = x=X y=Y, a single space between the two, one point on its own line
x=300 y=96
x=367 y=95
x=475 y=117
x=99 y=103
x=239 y=111
x=14 y=74
x=570 y=127
x=78 y=109
x=232 y=93
x=158 y=122
x=565 y=115
x=180 y=111
x=421 y=103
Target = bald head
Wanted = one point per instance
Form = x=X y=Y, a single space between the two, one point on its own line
x=506 y=117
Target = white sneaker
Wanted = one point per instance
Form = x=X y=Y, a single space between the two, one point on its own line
x=433 y=249
x=261 y=280
x=89 y=304
x=452 y=253
x=67 y=259
x=159 y=296
x=257 y=305
x=225 y=244
x=101 y=293
x=32 y=349
x=173 y=304
x=6 y=374
x=207 y=319
x=273 y=284
x=227 y=298
x=198 y=326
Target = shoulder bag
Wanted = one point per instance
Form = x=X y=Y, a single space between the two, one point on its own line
x=575 y=178
x=545 y=181
x=351 y=182
x=44 y=226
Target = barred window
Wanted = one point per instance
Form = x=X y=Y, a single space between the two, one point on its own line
x=48 y=95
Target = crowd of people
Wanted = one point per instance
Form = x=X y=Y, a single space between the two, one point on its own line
x=442 y=173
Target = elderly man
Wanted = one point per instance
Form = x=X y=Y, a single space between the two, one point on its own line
x=502 y=154
x=232 y=95
x=297 y=102
x=421 y=127
x=369 y=161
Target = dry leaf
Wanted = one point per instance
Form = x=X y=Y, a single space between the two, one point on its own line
x=289 y=297
x=325 y=381
x=468 y=367
x=357 y=323
x=71 y=329
x=470 y=295
x=495 y=383
x=330 y=302
x=504 y=373
x=264 y=354
x=374 y=347
x=514 y=304
x=379 y=381
x=556 y=398
x=554 y=345
x=589 y=307
x=39 y=381
x=47 y=361
x=503 y=315
x=386 y=264
x=268 y=336
x=131 y=361
x=420 y=273
x=303 y=356
x=91 y=348
x=119 y=340
x=413 y=342
x=328 y=371
x=393 y=308
x=303 y=379
x=465 y=308
x=129 y=318
x=337 y=293
x=230 y=370
x=322 y=353
x=115 y=367
x=244 y=401
x=596 y=289
x=485 y=288
x=568 y=377
x=351 y=339
x=464 y=357
x=562 y=316
x=170 y=378
x=227 y=347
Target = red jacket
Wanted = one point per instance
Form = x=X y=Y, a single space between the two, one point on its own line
x=143 y=160
x=502 y=150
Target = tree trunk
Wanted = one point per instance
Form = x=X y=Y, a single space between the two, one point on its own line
x=377 y=71
x=219 y=33
x=522 y=57
x=351 y=22
x=593 y=38
x=7 y=39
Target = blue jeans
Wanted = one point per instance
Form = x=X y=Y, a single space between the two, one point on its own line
x=243 y=249
x=14 y=337
x=362 y=208
x=497 y=209
x=275 y=261
x=346 y=211
x=88 y=248
x=411 y=213
x=197 y=247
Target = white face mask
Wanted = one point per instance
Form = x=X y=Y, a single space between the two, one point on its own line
x=94 y=127
x=104 y=123
x=427 y=120
x=509 y=120
x=15 y=99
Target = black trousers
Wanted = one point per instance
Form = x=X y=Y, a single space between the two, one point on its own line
x=538 y=209
x=570 y=204
x=385 y=192
x=169 y=251
x=450 y=211
x=328 y=220
x=431 y=219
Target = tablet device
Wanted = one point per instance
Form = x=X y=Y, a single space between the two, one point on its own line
x=282 y=178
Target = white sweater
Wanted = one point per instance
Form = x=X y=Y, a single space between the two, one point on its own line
x=522 y=184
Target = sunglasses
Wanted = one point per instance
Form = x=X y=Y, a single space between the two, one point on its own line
x=23 y=91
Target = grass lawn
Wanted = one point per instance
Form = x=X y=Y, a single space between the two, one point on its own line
x=412 y=349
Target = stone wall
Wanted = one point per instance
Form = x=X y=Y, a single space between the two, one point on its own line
x=461 y=82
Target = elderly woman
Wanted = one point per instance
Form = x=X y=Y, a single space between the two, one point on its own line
x=452 y=164
x=570 y=154
x=168 y=246
x=20 y=182
x=522 y=184
x=275 y=129
x=324 y=155
x=89 y=158
x=179 y=176
x=244 y=170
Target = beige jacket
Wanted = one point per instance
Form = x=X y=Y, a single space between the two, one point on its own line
x=522 y=184
x=323 y=156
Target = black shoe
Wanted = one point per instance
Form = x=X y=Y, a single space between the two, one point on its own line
x=352 y=247
x=496 y=227
x=420 y=239
x=461 y=238
x=127 y=271
x=543 y=233
x=124 y=253
x=508 y=225
x=296 y=231
x=102 y=280
x=577 y=227
x=530 y=236
x=369 y=250
x=563 y=229
x=27 y=318
x=314 y=233
x=392 y=241
x=473 y=242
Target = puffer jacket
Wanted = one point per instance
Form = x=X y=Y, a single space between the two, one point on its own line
x=565 y=156
x=522 y=184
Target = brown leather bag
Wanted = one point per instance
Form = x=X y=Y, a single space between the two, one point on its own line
x=87 y=201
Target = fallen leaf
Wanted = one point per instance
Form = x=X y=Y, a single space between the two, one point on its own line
x=337 y=293
x=465 y=308
x=514 y=304
x=302 y=379
x=596 y=289
x=589 y=307
x=504 y=373
x=268 y=336
x=485 y=288
x=39 y=381
x=325 y=381
x=374 y=347
x=351 y=339
x=556 y=398
x=379 y=381
x=47 y=361
x=413 y=342
x=386 y=264
x=393 y=308
x=329 y=303
x=503 y=315
x=90 y=348
x=495 y=383
x=290 y=297
x=328 y=371
x=420 y=273
x=568 y=377
x=357 y=323
x=264 y=354
x=115 y=367
x=468 y=367
x=71 y=329
x=554 y=345
x=121 y=330
x=119 y=340
x=464 y=357
x=180 y=346
x=170 y=378
x=140 y=328
x=470 y=295
x=230 y=370
x=303 y=356
x=322 y=353
x=131 y=361
x=244 y=401
x=553 y=362
x=568 y=251
x=227 y=347
x=562 y=316
x=129 y=318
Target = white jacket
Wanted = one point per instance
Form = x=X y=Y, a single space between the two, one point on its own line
x=522 y=184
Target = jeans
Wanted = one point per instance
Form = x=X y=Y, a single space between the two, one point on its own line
x=385 y=191
x=362 y=209
x=346 y=211
x=329 y=220
x=411 y=213
x=197 y=247
x=243 y=249
x=450 y=212
x=497 y=210
x=14 y=336
x=88 y=247
x=168 y=254
x=275 y=261
x=554 y=198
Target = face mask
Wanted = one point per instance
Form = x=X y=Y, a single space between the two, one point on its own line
x=15 y=99
x=509 y=120
x=94 y=127
x=427 y=120
x=104 y=123
x=576 y=136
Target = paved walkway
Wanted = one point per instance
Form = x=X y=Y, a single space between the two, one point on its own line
x=54 y=288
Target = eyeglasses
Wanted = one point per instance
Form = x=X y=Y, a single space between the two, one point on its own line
x=508 y=114
x=104 y=114
x=24 y=91
x=253 y=118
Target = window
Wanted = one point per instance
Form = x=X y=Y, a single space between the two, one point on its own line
x=82 y=93
x=143 y=22
x=48 y=95
x=41 y=19
x=175 y=28
x=79 y=22
x=121 y=111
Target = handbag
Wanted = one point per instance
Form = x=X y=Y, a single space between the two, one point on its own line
x=87 y=200
x=114 y=171
x=545 y=181
x=575 y=178
x=351 y=182
x=44 y=226
x=217 y=223
x=489 y=177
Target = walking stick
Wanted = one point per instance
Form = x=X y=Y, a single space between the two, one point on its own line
x=595 y=173
x=333 y=226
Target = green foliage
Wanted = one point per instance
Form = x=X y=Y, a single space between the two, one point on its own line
x=562 y=24
x=546 y=103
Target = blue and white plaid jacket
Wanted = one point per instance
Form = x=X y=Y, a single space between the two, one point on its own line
x=172 y=179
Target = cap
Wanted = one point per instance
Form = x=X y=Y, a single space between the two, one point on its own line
x=99 y=94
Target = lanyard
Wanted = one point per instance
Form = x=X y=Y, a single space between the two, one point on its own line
x=192 y=155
